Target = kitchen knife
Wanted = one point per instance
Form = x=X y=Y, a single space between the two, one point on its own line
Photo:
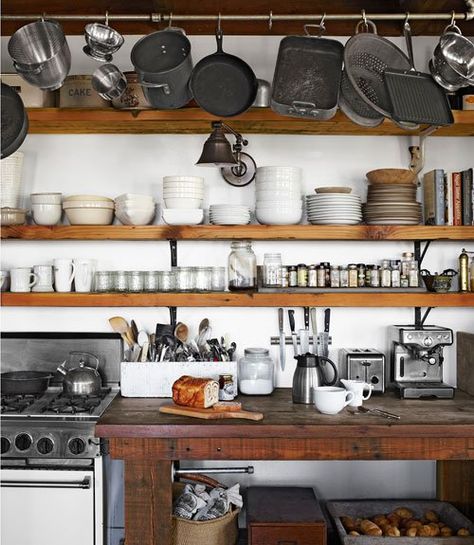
x=281 y=327
x=291 y=318
x=325 y=336
x=378 y=412
x=314 y=327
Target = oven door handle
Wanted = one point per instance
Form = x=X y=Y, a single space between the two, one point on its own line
x=84 y=484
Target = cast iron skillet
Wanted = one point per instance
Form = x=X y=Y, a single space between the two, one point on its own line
x=14 y=121
x=25 y=382
x=223 y=84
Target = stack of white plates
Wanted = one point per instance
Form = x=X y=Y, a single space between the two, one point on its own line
x=278 y=196
x=229 y=214
x=185 y=192
x=333 y=209
x=133 y=209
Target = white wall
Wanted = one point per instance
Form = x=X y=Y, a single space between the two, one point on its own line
x=113 y=164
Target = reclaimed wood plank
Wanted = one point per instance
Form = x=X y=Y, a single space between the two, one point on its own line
x=455 y=483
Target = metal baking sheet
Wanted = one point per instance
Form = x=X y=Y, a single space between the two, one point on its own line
x=369 y=508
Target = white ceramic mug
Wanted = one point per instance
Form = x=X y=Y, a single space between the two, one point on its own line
x=357 y=387
x=45 y=278
x=330 y=399
x=84 y=274
x=63 y=274
x=20 y=279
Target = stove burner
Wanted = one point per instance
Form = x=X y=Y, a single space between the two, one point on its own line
x=75 y=404
x=17 y=403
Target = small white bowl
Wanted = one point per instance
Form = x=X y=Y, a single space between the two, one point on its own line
x=87 y=198
x=46 y=198
x=186 y=194
x=183 y=184
x=177 y=216
x=88 y=204
x=277 y=217
x=280 y=205
x=90 y=216
x=47 y=214
x=138 y=216
x=133 y=197
x=182 y=203
x=195 y=179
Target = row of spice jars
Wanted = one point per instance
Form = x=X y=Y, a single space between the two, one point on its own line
x=402 y=273
x=178 y=279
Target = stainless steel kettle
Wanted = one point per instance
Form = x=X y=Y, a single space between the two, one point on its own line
x=309 y=374
x=81 y=379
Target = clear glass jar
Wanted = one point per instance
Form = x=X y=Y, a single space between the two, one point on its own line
x=321 y=276
x=292 y=277
x=335 y=277
x=413 y=276
x=403 y=281
x=150 y=280
x=242 y=266
x=407 y=258
x=218 y=279
x=285 y=277
x=120 y=281
x=104 y=281
x=361 y=275
x=272 y=270
x=166 y=281
x=386 y=274
x=203 y=278
x=312 y=276
x=184 y=278
x=256 y=370
x=375 y=277
x=343 y=277
x=353 y=275
x=368 y=274
x=302 y=276
x=135 y=281
x=395 y=273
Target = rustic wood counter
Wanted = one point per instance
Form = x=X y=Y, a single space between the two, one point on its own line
x=149 y=442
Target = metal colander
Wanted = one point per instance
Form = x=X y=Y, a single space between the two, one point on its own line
x=366 y=57
x=356 y=109
x=36 y=43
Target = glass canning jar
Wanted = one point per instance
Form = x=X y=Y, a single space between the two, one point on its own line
x=256 y=370
x=202 y=278
x=135 y=281
x=218 y=279
x=120 y=281
x=242 y=266
x=150 y=280
x=184 y=278
x=103 y=281
x=166 y=281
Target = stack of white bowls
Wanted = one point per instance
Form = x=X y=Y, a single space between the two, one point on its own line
x=133 y=209
x=183 y=192
x=229 y=214
x=279 y=195
x=10 y=181
x=46 y=208
x=89 y=210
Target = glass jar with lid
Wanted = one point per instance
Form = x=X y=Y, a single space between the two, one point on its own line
x=272 y=270
x=256 y=370
x=242 y=266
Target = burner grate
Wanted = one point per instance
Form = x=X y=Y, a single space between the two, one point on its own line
x=75 y=404
x=17 y=403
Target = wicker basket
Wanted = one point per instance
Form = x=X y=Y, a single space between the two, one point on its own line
x=221 y=531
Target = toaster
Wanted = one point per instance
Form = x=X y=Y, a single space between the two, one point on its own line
x=365 y=364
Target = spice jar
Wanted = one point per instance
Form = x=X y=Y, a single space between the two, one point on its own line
x=352 y=275
x=361 y=275
x=321 y=276
x=335 y=277
x=256 y=370
x=302 y=276
x=312 y=276
x=327 y=268
x=413 y=277
x=285 y=277
x=395 y=273
x=386 y=274
x=272 y=270
x=292 y=277
x=242 y=266
x=374 y=277
x=343 y=277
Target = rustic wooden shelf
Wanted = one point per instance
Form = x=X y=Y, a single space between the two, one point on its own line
x=341 y=299
x=250 y=232
x=195 y=121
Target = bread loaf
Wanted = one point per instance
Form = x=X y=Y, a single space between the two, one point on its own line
x=369 y=528
x=200 y=393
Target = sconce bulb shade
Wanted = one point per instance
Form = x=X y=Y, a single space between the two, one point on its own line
x=217 y=151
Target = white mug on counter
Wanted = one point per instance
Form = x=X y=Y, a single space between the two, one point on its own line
x=20 y=279
x=84 y=274
x=44 y=274
x=330 y=399
x=357 y=387
x=64 y=270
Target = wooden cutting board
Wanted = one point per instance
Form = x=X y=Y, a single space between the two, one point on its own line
x=210 y=414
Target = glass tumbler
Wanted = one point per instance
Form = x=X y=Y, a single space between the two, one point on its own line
x=203 y=278
x=184 y=278
x=218 y=279
x=150 y=280
x=120 y=281
x=103 y=281
x=134 y=281
x=166 y=280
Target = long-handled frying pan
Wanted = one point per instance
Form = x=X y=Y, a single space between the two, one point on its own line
x=222 y=84
x=14 y=121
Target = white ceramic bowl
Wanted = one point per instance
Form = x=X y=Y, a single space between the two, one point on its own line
x=279 y=171
x=280 y=205
x=278 y=195
x=278 y=217
x=88 y=204
x=194 y=179
x=87 y=198
x=90 y=216
x=186 y=194
x=46 y=198
x=47 y=214
x=128 y=209
x=177 y=216
x=133 y=196
x=279 y=185
x=182 y=203
x=138 y=216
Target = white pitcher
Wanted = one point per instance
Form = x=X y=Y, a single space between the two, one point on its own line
x=84 y=274
x=357 y=387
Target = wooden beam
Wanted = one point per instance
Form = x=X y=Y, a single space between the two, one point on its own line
x=455 y=483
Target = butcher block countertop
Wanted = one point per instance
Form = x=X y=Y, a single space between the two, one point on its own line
x=140 y=418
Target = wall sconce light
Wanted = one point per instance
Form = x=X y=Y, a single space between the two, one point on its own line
x=237 y=167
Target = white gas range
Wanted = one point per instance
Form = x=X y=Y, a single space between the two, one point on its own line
x=52 y=476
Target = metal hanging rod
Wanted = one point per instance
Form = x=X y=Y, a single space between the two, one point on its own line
x=270 y=18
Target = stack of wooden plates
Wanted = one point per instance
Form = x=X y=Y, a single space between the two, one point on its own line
x=391 y=202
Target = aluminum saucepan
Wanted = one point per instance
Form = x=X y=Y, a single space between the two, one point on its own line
x=25 y=382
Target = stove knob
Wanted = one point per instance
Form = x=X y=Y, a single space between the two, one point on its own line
x=427 y=341
x=77 y=445
x=23 y=441
x=44 y=445
x=5 y=445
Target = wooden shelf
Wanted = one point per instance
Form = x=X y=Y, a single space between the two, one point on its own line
x=342 y=299
x=250 y=232
x=196 y=121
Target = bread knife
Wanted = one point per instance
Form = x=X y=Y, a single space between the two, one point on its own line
x=282 y=338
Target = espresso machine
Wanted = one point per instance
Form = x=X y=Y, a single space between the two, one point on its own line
x=417 y=360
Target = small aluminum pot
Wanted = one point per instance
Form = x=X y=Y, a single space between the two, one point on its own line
x=164 y=65
x=109 y=82
x=41 y=54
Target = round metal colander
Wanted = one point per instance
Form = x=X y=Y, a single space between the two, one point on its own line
x=366 y=57
x=355 y=108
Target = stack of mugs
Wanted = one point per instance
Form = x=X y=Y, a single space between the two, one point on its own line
x=279 y=195
x=183 y=193
x=46 y=208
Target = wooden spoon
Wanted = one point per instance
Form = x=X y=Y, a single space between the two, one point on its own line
x=181 y=332
x=134 y=331
x=120 y=325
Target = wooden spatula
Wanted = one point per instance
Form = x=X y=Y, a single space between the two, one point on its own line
x=120 y=325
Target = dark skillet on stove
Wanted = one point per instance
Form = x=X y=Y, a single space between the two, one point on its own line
x=223 y=84
x=25 y=382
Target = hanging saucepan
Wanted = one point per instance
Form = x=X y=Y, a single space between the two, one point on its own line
x=223 y=84
x=14 y=121
x=163 y=63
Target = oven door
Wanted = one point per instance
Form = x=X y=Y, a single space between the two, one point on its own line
x=47 y=507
